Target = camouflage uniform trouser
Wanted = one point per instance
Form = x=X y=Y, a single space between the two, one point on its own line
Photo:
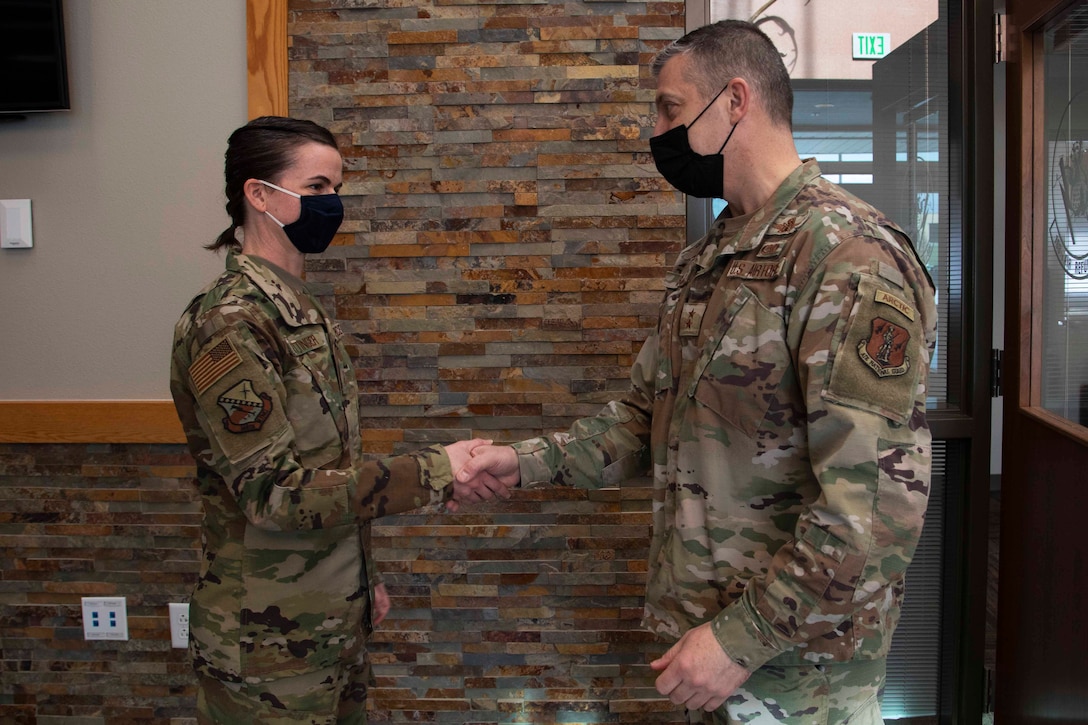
x=843 y=693
x=332 y=696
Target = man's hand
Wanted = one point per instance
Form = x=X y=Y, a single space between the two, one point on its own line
x=500 y=462
x=477 y=488
x=381 y=604
x=697 y=672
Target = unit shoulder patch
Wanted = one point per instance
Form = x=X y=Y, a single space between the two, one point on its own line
x=246 y=410
x=885 y=352
x=880 y=354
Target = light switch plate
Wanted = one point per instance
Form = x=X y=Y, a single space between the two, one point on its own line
x=16 y=231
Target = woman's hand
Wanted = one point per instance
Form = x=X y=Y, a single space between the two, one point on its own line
x=479 y=488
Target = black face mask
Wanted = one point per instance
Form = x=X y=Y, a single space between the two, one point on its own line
x=694 y=174
x=317 y=223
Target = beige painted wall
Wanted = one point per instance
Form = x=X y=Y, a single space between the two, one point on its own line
x=125 y=189
x=823 y=30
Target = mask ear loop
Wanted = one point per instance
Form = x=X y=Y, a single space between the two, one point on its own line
x=280 y=188
x=728 y=137
x=285 y=191
x=707 y=106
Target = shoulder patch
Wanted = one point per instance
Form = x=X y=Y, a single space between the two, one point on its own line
x=246 y=410
x=894 y=302
x=885 y=352
x=213 y=364
x=880 y=354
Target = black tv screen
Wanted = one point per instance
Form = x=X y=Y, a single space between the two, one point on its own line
x=33 y=64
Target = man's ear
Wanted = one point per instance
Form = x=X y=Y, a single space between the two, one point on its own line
x=256 y=194
x=739 y=97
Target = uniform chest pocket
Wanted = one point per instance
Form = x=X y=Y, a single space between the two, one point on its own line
x=738 y=378
x=314 y=398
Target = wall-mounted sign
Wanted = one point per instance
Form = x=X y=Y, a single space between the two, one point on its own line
x=871 y=46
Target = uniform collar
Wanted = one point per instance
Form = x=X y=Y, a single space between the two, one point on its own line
x=724 y=238
x=288 y=293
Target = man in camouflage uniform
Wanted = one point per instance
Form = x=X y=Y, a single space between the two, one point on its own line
x=779 y=405
x=266 y=393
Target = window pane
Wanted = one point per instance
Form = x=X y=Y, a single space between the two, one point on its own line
x=879 y=128
x=1065 y=281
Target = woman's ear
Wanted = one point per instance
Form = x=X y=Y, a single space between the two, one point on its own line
x=256 y=194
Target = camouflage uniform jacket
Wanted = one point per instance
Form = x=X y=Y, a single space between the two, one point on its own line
x=267 y=395
x=780 y=407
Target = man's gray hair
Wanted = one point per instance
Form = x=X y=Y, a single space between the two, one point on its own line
x=731 y=49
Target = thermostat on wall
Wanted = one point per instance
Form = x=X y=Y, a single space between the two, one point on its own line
x=15 y=228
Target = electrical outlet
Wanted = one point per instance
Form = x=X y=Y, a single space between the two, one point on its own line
x=179 y=625
x=105 y=618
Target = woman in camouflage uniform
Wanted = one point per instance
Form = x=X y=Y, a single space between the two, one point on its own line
x=267 y=395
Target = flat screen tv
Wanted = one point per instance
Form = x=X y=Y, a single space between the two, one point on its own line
x=33 y=63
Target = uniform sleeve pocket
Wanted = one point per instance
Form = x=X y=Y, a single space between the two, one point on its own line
x=876 y=366
x=237 y=397
x=804 y=584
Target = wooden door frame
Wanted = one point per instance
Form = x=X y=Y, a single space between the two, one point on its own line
x=1030 y=239
x=1027 y=424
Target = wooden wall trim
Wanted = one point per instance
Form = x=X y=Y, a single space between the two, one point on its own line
x=266 y=57
x=89 y=421
x=155 y=421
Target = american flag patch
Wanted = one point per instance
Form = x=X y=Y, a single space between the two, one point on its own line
x=213 y=365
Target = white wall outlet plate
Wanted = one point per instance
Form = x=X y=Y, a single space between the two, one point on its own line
x=16 y=231
x=105 y=618
x=179 y=625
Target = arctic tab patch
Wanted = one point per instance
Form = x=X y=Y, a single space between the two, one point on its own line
x=894 y=302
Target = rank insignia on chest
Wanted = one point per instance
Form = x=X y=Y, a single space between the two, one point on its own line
x=771 y=249
x=691 y=319
x=885 y=352
x=785 y=225
x=246 y=410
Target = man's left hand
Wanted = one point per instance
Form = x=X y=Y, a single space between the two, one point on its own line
x=382 y=604
x=697 y=673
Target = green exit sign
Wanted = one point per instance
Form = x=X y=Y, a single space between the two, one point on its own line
x=870 y=46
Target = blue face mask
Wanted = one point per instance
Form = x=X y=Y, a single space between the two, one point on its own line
x=316 y=225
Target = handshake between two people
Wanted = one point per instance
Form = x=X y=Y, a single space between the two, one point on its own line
x=481 y=471
x=695 y=672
